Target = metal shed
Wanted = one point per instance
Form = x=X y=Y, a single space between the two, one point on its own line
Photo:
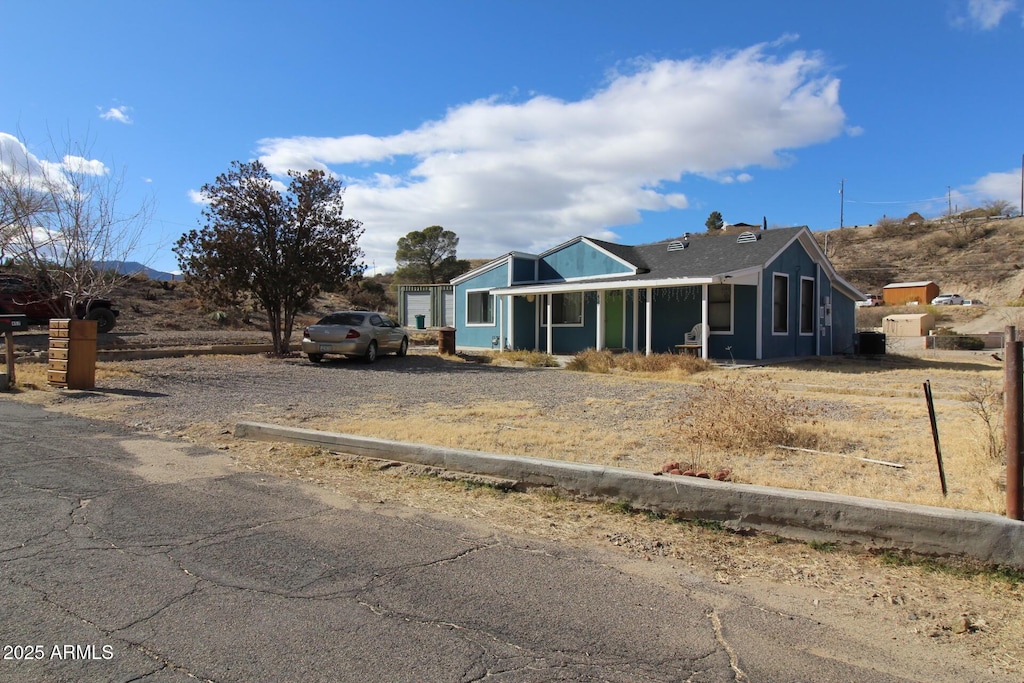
x=908 y=324
x=435 y=303
x=901 y=293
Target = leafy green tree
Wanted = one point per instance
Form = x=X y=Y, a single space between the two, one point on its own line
x=427 y=256
x=279 y=248
x=714 y=221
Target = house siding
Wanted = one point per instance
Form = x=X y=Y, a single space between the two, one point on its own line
x=576 y=260
x=523 y=270
x=794 y=262
x=480 y=336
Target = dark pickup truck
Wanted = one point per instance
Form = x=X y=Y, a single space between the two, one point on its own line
x=20 y=295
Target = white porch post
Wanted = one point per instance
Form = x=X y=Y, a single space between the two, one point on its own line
x=511 y=320
x=600 y=320
x=636 y=318
x=501 y=323
x=705 y=330
x=551 y=348
x=648 y=309
x=536 y=321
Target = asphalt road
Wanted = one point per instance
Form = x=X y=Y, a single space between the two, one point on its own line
x=125 y=557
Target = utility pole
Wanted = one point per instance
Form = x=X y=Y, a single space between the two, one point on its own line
x=842 y=200
x=949 y=202
x=1022 y=184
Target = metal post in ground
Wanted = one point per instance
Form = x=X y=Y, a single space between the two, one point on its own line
x=1013 y=393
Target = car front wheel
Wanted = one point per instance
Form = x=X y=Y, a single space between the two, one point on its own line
x=371 y=352
x=315 y=357
x=403 y=348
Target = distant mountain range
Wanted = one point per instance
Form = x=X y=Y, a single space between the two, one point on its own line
x=132 y=267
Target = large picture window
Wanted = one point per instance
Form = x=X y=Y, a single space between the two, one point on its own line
x=566 y=309
x=780 y=304
x=720 y=308
x=806 y=306
x=479 y=308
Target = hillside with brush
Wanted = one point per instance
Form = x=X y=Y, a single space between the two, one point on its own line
x=975 y=256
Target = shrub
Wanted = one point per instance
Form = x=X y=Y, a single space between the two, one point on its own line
x=949 y=340
x=591 y=360
x=738 y=412
x=605 y=361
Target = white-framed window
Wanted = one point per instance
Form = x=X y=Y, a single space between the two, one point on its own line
x=780 y=303
x=479 y=307
x=566 y=310
x=806 y=305
x=720 y=308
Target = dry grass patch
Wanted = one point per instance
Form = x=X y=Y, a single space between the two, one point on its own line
x=533 y=359
x=506 y=427
x=660 y=365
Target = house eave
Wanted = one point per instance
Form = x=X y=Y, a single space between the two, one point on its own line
x=592 y=285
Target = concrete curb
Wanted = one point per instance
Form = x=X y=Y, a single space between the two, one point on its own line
x=800 y=515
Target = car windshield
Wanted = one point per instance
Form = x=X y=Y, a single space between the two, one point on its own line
x=351 y=319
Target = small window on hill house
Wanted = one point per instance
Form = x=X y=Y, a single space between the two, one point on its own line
x=806 y=306
x=780 y=304
x=479 y=308
x=566 y=309
x=720 y=308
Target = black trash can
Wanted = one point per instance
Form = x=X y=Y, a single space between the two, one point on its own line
x=870 y=343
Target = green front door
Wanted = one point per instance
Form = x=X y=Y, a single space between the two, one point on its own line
x=614 y=315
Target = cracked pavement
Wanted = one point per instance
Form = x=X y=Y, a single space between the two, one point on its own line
x=157 y=561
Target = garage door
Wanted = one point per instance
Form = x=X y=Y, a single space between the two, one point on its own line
x=449 y=308
x=417 y=303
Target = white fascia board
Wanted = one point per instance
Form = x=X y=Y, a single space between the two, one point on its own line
x=569 y=280
x=496 y=263
x=563 y=245
x=592 y=286
x=838 y=282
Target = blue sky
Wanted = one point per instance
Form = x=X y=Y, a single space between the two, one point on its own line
x=522 y=124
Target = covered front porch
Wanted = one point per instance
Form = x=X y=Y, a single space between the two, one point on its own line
x=650 y=318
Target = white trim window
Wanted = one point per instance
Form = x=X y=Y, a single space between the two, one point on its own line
x=720 y=310
x=780 y=303
x=480 y=308
x=566 y=310
x=807 y=306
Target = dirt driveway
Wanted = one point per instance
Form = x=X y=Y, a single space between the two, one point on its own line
x=963 y=622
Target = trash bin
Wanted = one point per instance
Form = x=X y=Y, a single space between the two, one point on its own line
x=421 y=322
x=446 y=341
x=870 y=343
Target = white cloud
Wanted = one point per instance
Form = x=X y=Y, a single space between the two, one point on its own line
x=197 y=197
x=986 y=14
x=118 y=114
x=43 y=174
x=528 y=175
x=996 y=186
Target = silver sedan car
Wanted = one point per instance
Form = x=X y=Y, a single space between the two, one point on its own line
x=356 y=334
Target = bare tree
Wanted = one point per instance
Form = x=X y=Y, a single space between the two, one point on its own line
x=62 y=220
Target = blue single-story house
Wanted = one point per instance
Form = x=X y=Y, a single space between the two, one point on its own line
x=758 y=295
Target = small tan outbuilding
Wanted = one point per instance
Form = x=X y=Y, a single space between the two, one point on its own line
x=908 y=324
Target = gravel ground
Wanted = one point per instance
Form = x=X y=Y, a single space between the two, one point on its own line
x=230 y=388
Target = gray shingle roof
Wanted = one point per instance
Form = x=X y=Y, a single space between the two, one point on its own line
x=704 y=255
